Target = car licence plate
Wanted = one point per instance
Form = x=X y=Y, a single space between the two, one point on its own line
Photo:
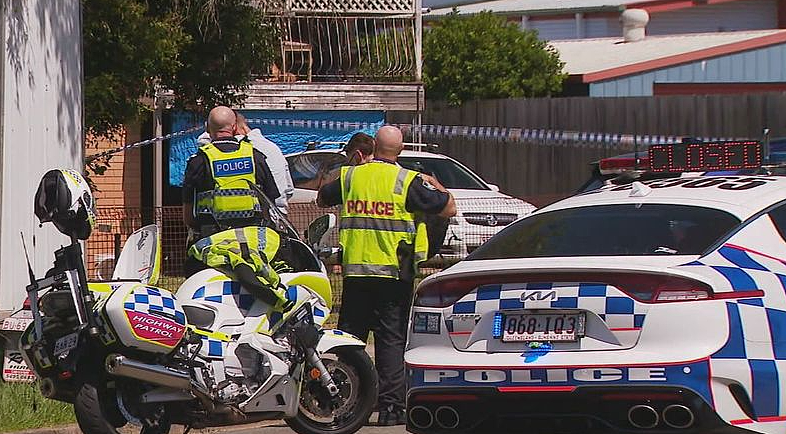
x=543 y=327
x=15 y=324
x=66 y=343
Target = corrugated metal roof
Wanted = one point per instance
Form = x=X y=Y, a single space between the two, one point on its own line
x=530 y=6
x=586 y=56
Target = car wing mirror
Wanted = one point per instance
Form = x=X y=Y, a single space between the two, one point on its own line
x=318 y=228
x=494 y=187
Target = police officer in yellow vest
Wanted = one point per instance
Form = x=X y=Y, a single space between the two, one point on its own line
x=217 y=192
x=383 y=240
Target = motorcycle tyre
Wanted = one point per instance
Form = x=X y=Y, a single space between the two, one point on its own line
x=360 y=360
x=89 y=415
x=92 y=419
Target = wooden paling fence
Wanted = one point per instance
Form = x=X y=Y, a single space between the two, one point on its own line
x=544 y=165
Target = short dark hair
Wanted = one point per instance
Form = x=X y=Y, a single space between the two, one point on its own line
x=361 y=142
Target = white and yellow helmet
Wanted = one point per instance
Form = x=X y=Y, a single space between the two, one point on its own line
x=64 y=198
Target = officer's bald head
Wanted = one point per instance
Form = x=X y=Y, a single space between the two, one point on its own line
x=390 y=143
x=221 y=122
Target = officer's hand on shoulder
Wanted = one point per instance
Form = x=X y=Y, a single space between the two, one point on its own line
x=432 y=183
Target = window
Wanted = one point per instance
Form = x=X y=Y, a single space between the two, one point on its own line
x=778 y=216
x=447 y=172
x=611 y=230
x=313 y=170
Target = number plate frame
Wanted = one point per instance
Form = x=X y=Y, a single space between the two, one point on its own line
x=580 y=330
x=66 y=343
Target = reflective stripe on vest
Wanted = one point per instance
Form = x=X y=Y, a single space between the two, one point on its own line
x=374 y=220
x=232 y=173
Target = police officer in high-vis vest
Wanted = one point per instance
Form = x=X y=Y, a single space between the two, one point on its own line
x=383 y=239
x=217 y=188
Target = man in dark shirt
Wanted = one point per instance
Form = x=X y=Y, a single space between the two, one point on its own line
x=222 y=127
x=380 y=302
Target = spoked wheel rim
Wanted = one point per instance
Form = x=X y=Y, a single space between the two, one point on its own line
x=317 y=405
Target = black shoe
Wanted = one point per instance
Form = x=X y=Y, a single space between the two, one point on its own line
x=392 y=416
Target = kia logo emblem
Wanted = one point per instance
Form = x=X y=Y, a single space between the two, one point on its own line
x=491 y=220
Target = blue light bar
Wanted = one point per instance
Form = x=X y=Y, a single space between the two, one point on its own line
x=496 y=329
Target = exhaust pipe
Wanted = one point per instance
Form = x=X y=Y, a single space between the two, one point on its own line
x=643 y=417
x=155 y=374
x=446 y=417
x=678 y=416
x=421 y=417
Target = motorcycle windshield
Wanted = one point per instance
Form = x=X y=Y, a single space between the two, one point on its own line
x=140 y=258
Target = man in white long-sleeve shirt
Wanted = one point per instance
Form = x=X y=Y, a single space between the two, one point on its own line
x=274 y=158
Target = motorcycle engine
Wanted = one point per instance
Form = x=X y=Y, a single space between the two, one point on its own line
x=246 y=369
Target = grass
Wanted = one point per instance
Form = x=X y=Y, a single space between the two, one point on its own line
x=22 y=407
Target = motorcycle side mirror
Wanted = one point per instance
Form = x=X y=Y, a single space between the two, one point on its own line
x=318 y=228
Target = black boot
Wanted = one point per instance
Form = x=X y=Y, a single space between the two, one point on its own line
x=392 y=416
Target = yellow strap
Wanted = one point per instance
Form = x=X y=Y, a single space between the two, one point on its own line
x=213 y=335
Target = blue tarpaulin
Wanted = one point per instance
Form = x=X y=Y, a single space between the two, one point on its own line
x=290 y=130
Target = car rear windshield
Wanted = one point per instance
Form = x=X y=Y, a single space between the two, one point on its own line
x=611 y=230
x=447 y=172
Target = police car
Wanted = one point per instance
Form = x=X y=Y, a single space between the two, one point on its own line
x=649 y=306
x=482 y=209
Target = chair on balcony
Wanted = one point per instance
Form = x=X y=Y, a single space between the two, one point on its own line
x=293 y=47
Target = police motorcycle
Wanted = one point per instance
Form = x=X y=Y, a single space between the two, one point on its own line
x=127 y=352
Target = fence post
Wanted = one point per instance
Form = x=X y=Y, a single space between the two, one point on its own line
x=117 y=248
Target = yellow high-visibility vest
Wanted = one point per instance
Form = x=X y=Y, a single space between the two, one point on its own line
x=375 y=221
x=232 y=173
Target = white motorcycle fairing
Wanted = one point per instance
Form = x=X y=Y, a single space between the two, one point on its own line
x=231 y=320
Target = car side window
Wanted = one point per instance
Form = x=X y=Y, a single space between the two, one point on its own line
x=778 y=216
x=311 y=171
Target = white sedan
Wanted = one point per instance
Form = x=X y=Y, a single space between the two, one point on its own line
x=482 y=209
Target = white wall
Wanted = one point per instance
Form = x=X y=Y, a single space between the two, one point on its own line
x=41 y=124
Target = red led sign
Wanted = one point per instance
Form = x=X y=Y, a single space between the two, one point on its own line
x=707 y=156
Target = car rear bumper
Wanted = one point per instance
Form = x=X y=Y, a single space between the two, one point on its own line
x=582 y=409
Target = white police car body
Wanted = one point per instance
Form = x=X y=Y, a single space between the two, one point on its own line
x=656 y=306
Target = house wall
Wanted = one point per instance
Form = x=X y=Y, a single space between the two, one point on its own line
x=762 y=65
x=728 y=16
x=41 y=114
x=121 y=184
x=721 y=17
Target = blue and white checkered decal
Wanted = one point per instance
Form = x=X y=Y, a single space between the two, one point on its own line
x=618 y=310
x=228 y=293
x=755 y=352
x=212 y=348
x=147 y=298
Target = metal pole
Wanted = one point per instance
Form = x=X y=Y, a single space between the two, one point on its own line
x=418 y=40
x=158 y=156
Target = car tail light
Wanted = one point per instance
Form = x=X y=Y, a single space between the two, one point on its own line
x=26 y=304
x=614 y=165
x=644 y=287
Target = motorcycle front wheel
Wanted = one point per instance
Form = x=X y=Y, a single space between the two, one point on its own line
x=354 y=374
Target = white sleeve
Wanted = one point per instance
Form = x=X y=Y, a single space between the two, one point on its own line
x=203 y=139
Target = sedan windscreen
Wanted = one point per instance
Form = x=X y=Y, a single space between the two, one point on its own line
x=447 y=172
x=611 y=230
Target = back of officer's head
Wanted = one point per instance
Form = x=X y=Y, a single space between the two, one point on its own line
x=221 y=122
x=390 y=142
x=360 y=149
